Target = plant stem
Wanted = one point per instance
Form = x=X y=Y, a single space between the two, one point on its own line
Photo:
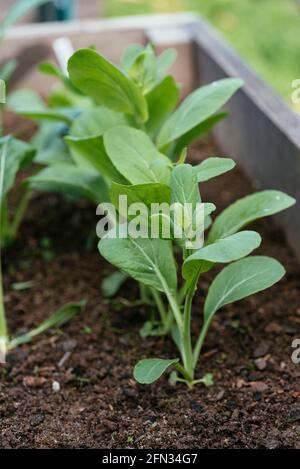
x=200 y=341
x=183 y=372
x=186 y=339
x=3 y=325
x=19 y=215
x=160 y=305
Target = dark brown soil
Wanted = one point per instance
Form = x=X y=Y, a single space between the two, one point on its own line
x=92 y=357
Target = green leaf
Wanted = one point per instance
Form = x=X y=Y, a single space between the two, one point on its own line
x=94 y=122
x=141 y=193
x=90 y=153
x=184 y=190
x=225 y=250
x=248 y=209
x=207 y=380
x=149 y=261
x=24 y=99
x=241 y=279
x=16 y=156
x=20 y=286
x=143 y=71
x=196 y=108
x=135 y=156
x=161 y=100
x=212 y=167
x=60 y=317
x=8 y=69
x=197 y=132
x=184 y=185
x=49 y=145
x=165 y=60
x=130 y=55
x=112 y=284
x=106 y=84
x=149 y=370
x=71 y=180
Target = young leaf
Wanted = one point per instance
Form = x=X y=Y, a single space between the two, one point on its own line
x=106 y=84
x=141 y=193
x=161 y=100
x=90 y=153
x=71 y=180
x=143 y=71
x=241 y=279
x=94 y=122
x=212 y=167
x=135 y=156
x=149 y=370
x=165 y=60
x=225 y=250
x=197 y=107
x=8 y=69
x=130 y=55
x=149 y=261
x=196 y=133
x=112 y=284
x=184 y=190
x=24 y=99
x=248 y=209
x=60 y=317
x=184 y=185
x=18 y=155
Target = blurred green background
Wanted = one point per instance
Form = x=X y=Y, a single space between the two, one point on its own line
x=265 y=32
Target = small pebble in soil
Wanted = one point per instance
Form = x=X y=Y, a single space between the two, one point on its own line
x=294 y=415
x=261 y=363
x=36 y=419
x=151 y=418
x=55 y=386
x=254 y=376
x=34 y=381
x=130 y=392
x=259 y=386
x=261 y=350
x=68 y=345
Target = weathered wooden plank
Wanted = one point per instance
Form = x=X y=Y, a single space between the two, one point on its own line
x=262 y=133
x=110 y=36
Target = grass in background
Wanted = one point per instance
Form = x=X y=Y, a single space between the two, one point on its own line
x=265 y=32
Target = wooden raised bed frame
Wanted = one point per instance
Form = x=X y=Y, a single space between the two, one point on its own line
x=261 y=133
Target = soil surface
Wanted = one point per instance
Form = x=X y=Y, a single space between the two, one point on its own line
x=254 y=403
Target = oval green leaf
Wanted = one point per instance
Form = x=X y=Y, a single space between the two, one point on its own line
x=246 y=210
x=99 y=79
x=149 y=370
x=241 y=279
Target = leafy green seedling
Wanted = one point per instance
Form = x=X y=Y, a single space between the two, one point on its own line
x=151 y=262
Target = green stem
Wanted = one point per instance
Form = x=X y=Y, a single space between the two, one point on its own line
x=19 y=215
x=200 y=341
x=182 y=293
x=4 y=339
x=186 y=338
x=160 y=306
x=183 y=372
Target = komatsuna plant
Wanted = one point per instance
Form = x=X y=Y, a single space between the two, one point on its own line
x=152 y=262
x=131 y=131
